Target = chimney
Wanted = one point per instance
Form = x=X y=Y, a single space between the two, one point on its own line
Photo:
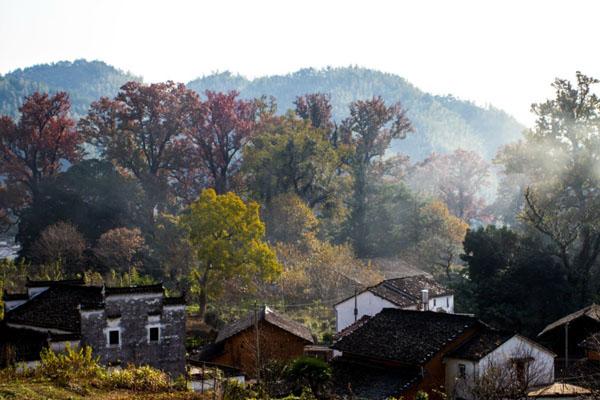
x=425 y=299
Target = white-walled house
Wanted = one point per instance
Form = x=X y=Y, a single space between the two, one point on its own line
x=488 y=348
x=417 y=292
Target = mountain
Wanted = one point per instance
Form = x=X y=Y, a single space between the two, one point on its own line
x=85 y=81
x=442 y=123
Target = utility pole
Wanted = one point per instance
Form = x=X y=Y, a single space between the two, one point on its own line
x=566 y=346
x=355 y=304
x=257 y=344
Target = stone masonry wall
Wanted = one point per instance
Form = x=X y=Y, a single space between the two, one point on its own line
x=133 y=315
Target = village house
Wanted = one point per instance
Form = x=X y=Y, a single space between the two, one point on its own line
x=585 y=371
x=137 y=325
x=566 y=335
x=255 y=339
x=400 y=352
x=417 y=292
x=511 y=355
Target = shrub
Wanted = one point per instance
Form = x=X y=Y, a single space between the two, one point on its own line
x=274 y=378
x=421 y=396
x=143 y=378
x=233 y=390
x=70 y=365
x=311 y=372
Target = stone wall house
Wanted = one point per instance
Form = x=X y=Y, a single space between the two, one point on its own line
x=137 y=325
x=418 y=292
x=255 y=339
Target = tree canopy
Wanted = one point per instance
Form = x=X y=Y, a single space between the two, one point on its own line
x=227 y=236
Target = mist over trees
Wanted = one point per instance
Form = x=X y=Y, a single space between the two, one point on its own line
x=445 y=123
x=231 y=199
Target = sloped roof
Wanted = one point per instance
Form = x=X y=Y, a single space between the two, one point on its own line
x=351 y=328
x=208 y=353
x=559 y=389
x=371 y=382
x=15 y=296
x=480 y=345
x=406 y=291
x=406 y=336
x=592 y=311
x=56 y=308
x=270 y=316
x=26 y=344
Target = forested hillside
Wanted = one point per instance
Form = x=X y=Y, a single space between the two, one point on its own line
x=443 y=124
x=85 y=81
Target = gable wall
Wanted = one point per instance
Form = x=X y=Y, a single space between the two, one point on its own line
x=274 y=343
x=444 y=303
x=367 y=304
x=542 y=367
x=434 y=378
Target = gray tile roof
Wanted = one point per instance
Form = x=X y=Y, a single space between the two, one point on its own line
x=480 y=345
x=406 y=291
x=56 y=308
x=270 y=316
x=407 y=337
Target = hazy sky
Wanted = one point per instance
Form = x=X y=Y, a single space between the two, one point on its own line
x=501 y=52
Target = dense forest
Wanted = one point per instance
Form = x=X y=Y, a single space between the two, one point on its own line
x=444 y=123
x=236 y=198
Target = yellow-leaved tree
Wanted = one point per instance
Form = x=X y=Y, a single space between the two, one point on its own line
x=227 y=238
x=444 y=234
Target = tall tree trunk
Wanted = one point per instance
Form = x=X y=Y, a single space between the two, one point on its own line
x=359 y=213
x=203 y=295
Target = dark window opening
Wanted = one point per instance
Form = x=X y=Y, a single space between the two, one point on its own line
x=113 y=338
x=462 y=370
x=447 y=301
x=154 y=334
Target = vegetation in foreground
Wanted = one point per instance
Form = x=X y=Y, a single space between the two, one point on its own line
x=76 y=374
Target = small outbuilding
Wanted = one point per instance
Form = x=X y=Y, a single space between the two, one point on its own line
x=261 y=336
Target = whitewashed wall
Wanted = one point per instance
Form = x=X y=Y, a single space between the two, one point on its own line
x=541 y=368
x=443 y=303
x=457 y=387
x=367 y=304
x=370 y=304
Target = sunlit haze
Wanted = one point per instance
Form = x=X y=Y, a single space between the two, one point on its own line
x=503 y=52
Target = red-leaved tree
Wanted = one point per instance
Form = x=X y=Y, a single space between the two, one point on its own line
x=143 y=131
x=33 y=148
x=223 y=124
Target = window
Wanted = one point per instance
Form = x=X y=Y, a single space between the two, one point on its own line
x=462 y=371
x=114 y=337
x=154 y=334
x=448 y=302
x=434 y=303
x=521 y=366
